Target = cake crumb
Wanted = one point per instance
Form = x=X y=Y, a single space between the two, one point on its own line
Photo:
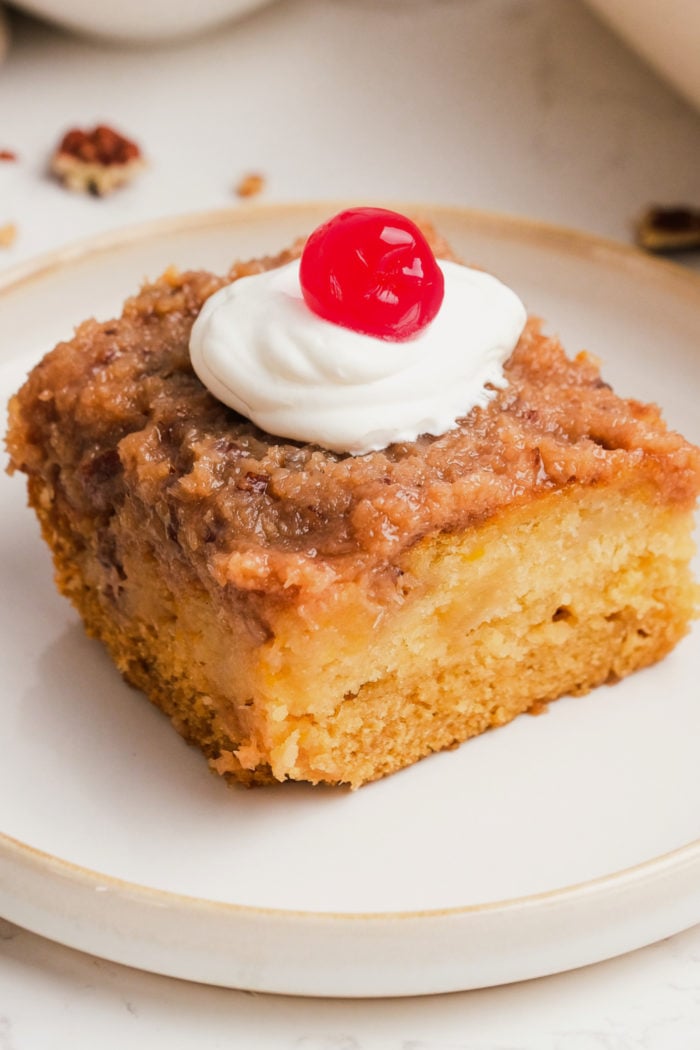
x=97 y=162
x=540 y=707
x=250 y=185
x=8 y=154
x=8 y=235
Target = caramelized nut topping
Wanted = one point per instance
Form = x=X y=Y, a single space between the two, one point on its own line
x=254 y=483
x=262 y=513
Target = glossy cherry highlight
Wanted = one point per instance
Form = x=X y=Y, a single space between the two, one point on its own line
x=372 y=270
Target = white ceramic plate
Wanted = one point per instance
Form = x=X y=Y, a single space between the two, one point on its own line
x=551 y=843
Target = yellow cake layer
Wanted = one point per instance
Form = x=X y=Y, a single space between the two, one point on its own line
x=574 y=589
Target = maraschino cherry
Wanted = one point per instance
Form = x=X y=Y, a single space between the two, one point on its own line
x=372 y=270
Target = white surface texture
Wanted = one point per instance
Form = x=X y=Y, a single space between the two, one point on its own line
x=523 y=106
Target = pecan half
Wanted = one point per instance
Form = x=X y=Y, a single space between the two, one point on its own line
x=669 y=229
x=96 y=161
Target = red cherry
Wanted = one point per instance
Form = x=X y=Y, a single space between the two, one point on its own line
x=372 y=270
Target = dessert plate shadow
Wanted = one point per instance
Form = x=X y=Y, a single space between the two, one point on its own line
x=549 y=844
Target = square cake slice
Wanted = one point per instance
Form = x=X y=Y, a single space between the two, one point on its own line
x=304 y=614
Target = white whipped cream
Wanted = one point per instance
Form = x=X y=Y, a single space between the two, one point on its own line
x=260 y=349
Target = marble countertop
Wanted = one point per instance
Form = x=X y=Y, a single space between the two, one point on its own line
x=521 y=106
x=52 y=998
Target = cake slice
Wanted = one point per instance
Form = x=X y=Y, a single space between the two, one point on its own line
x=308 y=615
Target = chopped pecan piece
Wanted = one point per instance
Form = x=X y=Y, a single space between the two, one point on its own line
x=7 y=154
x=671 y=229
x=8 y=234
x=96 y=161
x=250 y=185
x=254 y=483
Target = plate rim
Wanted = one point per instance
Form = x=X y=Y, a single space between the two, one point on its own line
x=577 y=242
x=82 y=876
x=684 y=282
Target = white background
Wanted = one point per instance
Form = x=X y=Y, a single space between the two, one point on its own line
x=523 y=106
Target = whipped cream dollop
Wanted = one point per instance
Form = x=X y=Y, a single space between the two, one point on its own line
x=260 y=349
